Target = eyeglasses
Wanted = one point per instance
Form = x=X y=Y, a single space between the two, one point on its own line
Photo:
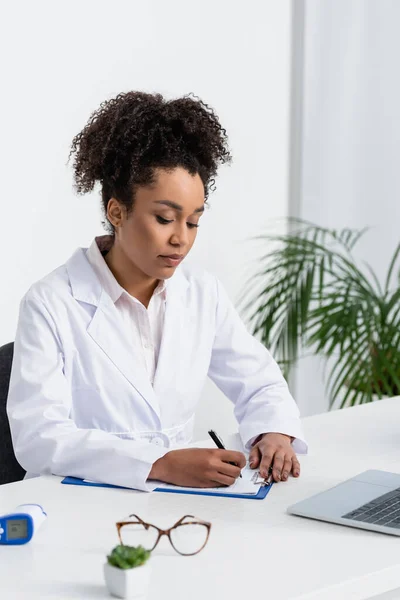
x=188 y=536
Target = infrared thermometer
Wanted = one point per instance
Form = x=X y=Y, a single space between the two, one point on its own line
x=20 y=526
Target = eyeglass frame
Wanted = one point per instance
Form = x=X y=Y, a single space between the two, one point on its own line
x=167 y=532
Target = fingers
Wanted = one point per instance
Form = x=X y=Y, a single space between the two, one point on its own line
x=287 y=467
x=277 y=462
x=295 y=467
x=232 y=456
x=254 y=457
x=221 y=479
x=279 y=459
x=225 y=473
x=266 y=463
x=227 y=470
x=282 y=463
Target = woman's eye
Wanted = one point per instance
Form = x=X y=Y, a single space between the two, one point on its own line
x=162 y=220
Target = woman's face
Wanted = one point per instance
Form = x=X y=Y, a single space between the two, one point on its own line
x=162 y=227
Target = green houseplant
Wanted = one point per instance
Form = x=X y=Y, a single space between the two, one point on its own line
x=126 y=571
x=311 y=295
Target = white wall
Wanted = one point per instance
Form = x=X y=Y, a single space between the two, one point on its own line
x=63 y=59
x=350 y=126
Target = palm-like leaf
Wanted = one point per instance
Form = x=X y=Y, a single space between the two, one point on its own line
x=309 y=293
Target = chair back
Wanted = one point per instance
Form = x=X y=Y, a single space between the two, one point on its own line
x=10 y=469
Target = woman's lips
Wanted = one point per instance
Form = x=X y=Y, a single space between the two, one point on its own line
x=172 y=262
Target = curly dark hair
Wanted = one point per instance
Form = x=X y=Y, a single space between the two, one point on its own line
x=131 y=135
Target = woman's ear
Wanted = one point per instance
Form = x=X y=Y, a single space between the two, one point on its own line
x=114 y=212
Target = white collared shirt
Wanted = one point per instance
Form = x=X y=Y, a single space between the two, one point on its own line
x=146 y=324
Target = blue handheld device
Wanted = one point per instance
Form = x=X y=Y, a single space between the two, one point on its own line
x=19 y=526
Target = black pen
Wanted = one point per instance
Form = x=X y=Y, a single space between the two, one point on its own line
x=218 y=442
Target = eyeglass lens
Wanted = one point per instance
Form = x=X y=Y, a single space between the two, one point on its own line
x=189 y=538
x=186 y=538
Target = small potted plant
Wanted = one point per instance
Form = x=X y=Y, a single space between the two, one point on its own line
x=126 y=571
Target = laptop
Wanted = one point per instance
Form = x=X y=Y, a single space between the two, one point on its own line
x=370 y=501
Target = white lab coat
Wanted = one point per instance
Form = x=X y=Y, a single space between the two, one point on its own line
x=80 y=401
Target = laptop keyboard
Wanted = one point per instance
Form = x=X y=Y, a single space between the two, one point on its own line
x=384 y=510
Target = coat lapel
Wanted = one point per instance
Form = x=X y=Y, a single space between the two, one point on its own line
x=120 y=348
x=107 y=328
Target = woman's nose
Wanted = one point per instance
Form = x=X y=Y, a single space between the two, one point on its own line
x=180 y=237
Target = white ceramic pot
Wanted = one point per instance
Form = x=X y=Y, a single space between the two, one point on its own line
x=127 y=583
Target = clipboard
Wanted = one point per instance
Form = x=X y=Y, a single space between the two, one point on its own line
x=261 y=494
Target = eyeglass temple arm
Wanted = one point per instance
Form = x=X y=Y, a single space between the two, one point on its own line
x=191 y=517
x=120 y=523
x=139 y=519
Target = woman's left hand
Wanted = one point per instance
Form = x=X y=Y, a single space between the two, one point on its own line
x=274 y=450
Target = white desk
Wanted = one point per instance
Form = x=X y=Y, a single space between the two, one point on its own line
x=255 y=548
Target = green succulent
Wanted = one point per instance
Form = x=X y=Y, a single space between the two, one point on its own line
x=128 y=557
x=310 y=294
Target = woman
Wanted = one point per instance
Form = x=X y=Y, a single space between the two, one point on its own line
x=113 y=347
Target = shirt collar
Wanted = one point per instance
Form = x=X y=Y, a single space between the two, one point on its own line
x=110 y=285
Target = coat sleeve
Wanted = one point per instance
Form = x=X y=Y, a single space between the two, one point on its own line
x=246 y=373
x=45 y=439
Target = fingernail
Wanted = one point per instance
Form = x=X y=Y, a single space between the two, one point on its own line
x=263 y=473
x=296 y=473
x=251 y=463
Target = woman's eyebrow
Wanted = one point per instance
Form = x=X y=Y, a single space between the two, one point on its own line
x=176 y=206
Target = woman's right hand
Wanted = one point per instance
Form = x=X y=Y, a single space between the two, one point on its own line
x=198 y=467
